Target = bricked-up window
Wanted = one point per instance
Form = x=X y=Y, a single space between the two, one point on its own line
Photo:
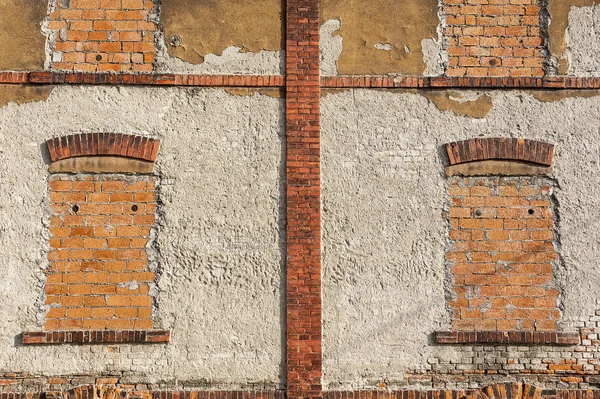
x=501 y=249
x=99 y=277
x=500 y=256
x=103 y=211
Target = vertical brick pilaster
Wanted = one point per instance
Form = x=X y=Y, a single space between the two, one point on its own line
x=304 y=354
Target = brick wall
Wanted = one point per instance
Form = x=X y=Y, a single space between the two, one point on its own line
x=501 y=254
x=494 y=37
x=99 y=276
x=103 y=35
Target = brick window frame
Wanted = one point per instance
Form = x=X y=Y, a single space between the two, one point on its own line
x=102 y=197
x=501 y=244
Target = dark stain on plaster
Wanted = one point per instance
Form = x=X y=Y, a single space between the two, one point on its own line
x=23 y=44
x=401 y=23
x=211 y=26
x=326 y=92
x=548 y=96
x=450 y=100
x=21 y=94
x=557 y=31
x=248 y=91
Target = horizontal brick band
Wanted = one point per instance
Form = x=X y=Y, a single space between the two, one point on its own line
x=96 y=337
x=92 y=392
x=272 y=394
x=416 y=82
x=496 y=391
x=377 y=82
x=109 y=387
x=507 y=337
x=483 y=149
x=93 y=144
x=141 y=79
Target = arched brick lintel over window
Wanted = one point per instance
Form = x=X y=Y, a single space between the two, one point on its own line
x=103 y=144
x=505 y=149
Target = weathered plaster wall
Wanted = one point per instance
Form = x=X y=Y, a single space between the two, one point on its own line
x=219 y=246
x=221 y=37
x=383 y=37
x=23 y=45
x=21 y=94
x=383 y=228
x=574 y=36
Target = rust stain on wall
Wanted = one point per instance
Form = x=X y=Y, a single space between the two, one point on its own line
x=23 y=44
x=450 y=100
x=548 y=96
x=559 y=14
x=23 y=94
x=210 y=26
x=403 y=24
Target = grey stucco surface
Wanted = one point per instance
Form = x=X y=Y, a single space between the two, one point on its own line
x=219 y=246
x=583 y=41
x=384 y=233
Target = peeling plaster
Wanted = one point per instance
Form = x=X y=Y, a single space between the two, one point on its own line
x=23 y=44
x=251 y=91
x=332 y=44
x=469 y=104
x=559 y=24
x=21 y=94
x=403 y=24
x=548 y=96
x=218 y=37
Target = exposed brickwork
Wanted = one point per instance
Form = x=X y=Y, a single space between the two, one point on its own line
x=551 y=366
x=513 y=149
x=103 y=35
x=91 y=144
x=501 y=254
x=507 y=337
x=304 y=352
x=96 y=337
x=494 y=37
x=98 y=276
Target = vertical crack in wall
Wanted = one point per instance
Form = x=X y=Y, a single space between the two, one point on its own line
x=50 y=35
x=559 y=266
x=550 y=65
x=154 y=254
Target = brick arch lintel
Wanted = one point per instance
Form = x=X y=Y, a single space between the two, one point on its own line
x=103 y=144
x=509 y=390
x=505 y=149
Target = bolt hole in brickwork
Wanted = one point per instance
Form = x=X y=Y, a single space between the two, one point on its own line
x=75 y=208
